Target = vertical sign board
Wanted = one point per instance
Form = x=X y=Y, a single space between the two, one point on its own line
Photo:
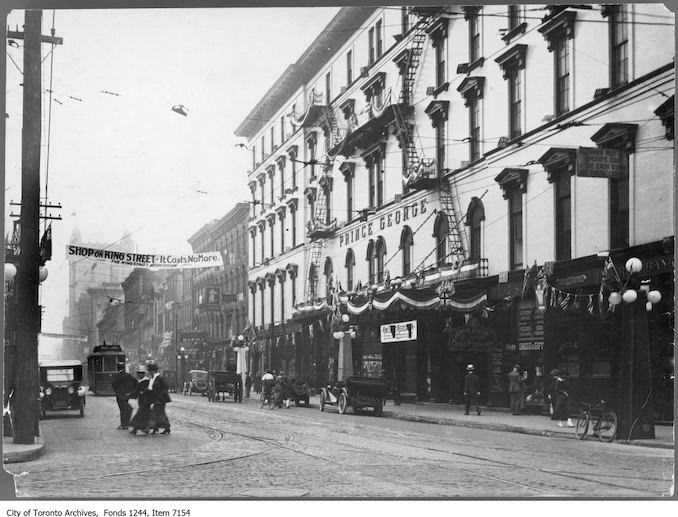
x=531 y=330
x=403 y=331
x=602 y=163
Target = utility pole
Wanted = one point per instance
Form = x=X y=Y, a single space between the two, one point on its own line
x=26 y=411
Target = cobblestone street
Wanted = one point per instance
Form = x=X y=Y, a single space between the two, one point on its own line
x=224 y=450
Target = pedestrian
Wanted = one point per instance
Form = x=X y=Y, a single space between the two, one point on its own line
x=395 y=388
x=160 y=396
x=257 y=383
x=471 y=389
x=248 y=384
x=144 y=399
x=267 y=382
x=515 y=389
x=560 y=399
x=279 y=390
x=125 y=386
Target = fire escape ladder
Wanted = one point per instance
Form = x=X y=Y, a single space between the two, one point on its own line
x=449 y=203
x=311 y=281
x=405 y=130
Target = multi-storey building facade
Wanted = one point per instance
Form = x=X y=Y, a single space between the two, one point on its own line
x=217 y=295
x=434 y=165
x=83 y=312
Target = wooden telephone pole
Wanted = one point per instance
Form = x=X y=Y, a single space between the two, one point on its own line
x=26 y=382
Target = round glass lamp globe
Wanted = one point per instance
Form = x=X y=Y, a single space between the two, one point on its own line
x=10 y=271
x=654 y=296
x=634 y=265
x=42 y=273
x=630 y=296
x=615 y=298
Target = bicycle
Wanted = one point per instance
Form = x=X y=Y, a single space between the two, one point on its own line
x=266 y=400
x=605 y=428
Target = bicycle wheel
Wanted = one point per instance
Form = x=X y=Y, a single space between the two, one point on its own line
x=582 y=427
x=607 y=427
x=262 y=400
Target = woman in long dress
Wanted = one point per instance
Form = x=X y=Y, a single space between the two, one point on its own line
x=145 y=399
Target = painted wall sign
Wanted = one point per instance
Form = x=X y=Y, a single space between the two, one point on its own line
x=602 y=163
x=397 y=217
x=147 y=260
x=403 y=331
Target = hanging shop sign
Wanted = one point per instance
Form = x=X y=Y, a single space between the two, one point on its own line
x=403 y=331
x=210 y=298
x=398 y=216
x=149 y=260
x=602 y=163
x=193 y=342
x=471 y=338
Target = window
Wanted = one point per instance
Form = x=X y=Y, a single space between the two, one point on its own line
x=404 y=19
x=263 y=303
x=561 y=55
x=513 y=17
x=440 y=61
x=311 y=152
x=349 y=264
x=474 y=128
x=440 y=146
x=379 y=171
x=441 y=230
x=281 y=166
x=619 y=213
x=371 y=261
x=271 y=223
x=371 y=186
x=563 y=216
x=380 y=40
x=406 y=243
x=282 y=299
x=293 y=214
x=263 y=150
x=312 y=280
x=349 y=67
x=474 y=37
x=370 y=44
x=261 y=184
x=271 y=173
x=293 y=165
x=619 y=43
x=262 y=230
x=474 y=219
x=272 y=139
x=327 y=272
x=515 y=109
x=254 y=248
x=380 y=251
x=254 y=157
x=516 y=227
x=328 y=88
x=282 y=129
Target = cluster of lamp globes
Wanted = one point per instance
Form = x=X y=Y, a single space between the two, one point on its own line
x=10 y=272
x=634 y=265
x=339 y=334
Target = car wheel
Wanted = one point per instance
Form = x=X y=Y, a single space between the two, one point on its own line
x=343 y=404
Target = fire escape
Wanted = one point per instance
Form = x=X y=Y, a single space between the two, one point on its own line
x=321 y=226
x=421 y=173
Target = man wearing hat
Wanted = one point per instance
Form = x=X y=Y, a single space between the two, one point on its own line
x=515 y=389
x=160 y=396
x=471 y=389
x=124 y=385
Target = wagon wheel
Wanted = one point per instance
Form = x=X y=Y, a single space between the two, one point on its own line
x=343 y=403
x=262 y=400
x=322 y=401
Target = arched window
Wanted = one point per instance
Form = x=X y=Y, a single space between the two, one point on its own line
x=312 y=279
x=474 y=218
x=380 y=252
x=406 y=243
x=327 y=271
x=441 y=229
x=349 y=264
x=371 y=261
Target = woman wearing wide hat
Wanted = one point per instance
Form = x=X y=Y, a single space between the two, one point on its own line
x=560 y=398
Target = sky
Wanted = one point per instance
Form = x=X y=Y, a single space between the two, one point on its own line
x=127 y=162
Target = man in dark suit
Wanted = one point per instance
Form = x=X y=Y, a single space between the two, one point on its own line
x=125 y=386
x=471 y=389
x=160 y=396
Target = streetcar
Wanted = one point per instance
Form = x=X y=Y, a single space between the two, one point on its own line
x=102 y=365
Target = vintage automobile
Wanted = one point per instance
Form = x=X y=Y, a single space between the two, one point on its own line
x=61 y=386
x=359 y=392
x=221 y=383
x=297 y=391
x=196 y=382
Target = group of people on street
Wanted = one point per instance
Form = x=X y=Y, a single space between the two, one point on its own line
x=151 y=393
x=558 y=396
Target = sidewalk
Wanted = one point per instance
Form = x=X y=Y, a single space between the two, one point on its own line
x=19 y=453
x=501 y=419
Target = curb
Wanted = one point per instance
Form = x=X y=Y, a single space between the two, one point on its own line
x=510 y=429
x=29 y=454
